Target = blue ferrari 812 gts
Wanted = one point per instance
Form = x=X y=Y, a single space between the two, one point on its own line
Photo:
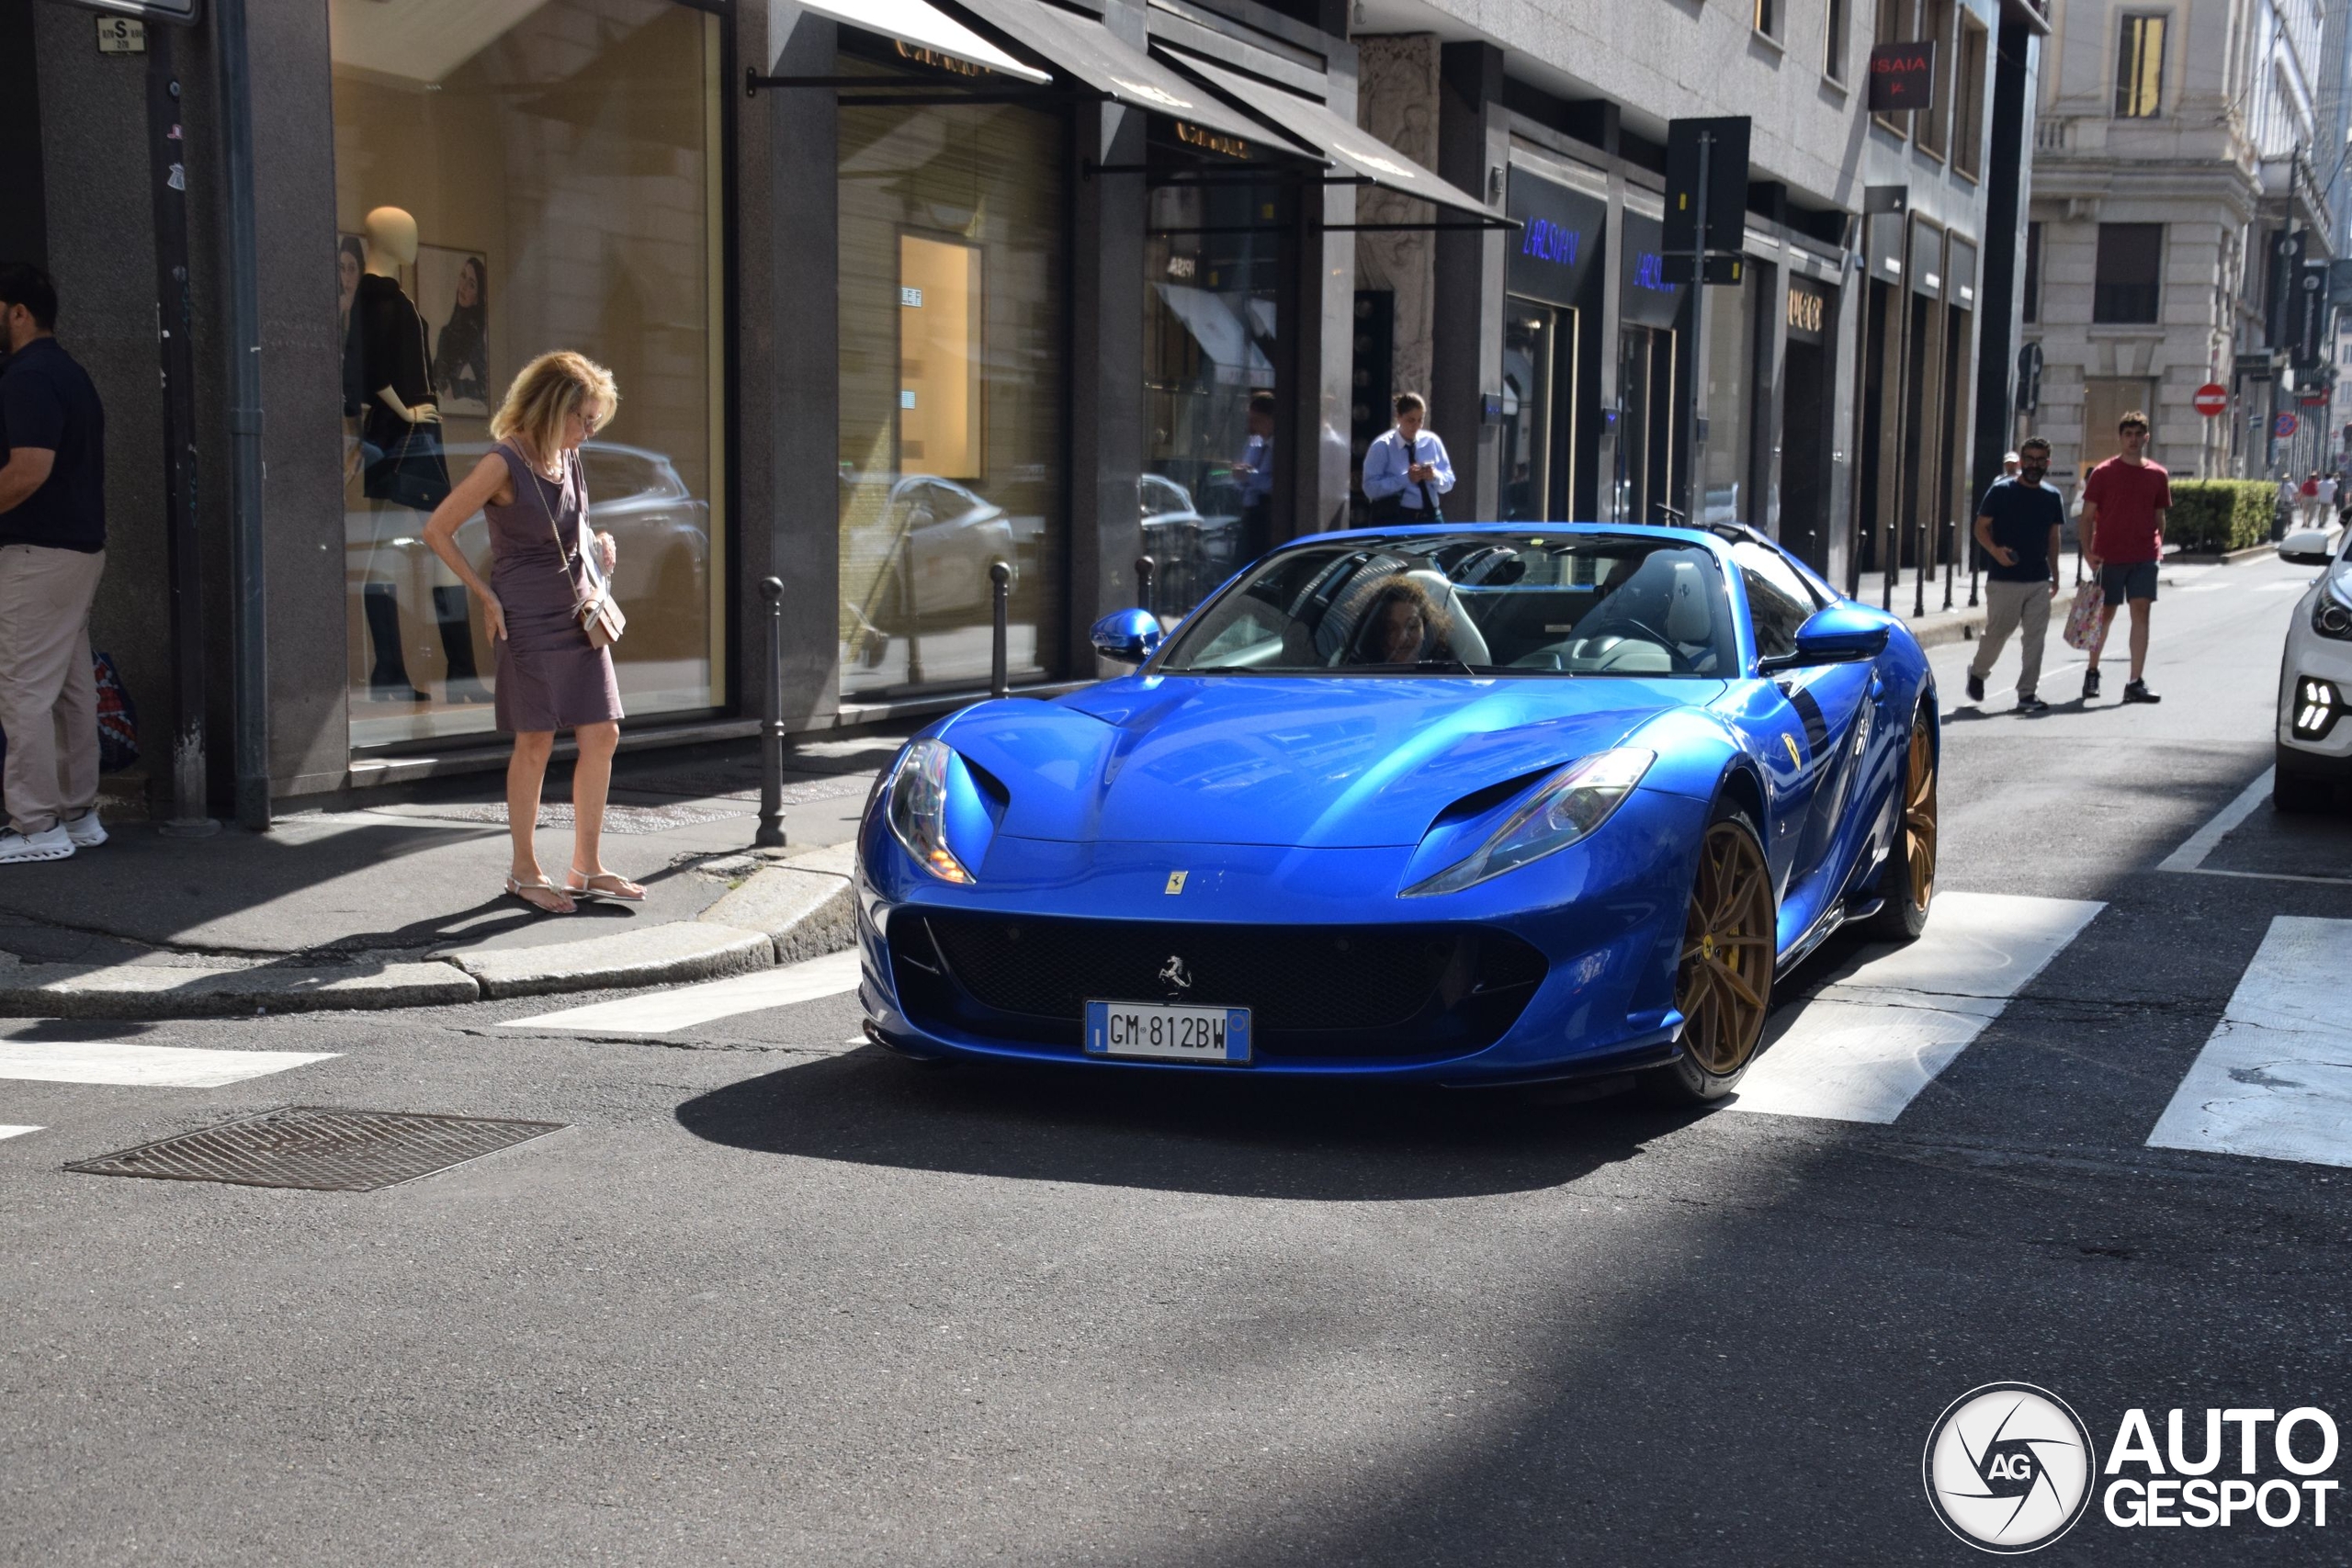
x=1467 y=803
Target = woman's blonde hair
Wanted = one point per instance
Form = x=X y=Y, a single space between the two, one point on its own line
x=551 y=387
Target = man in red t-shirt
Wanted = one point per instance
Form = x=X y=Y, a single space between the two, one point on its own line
x=2124 y=502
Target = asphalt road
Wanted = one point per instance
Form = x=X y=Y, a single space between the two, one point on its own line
x=772 y=1297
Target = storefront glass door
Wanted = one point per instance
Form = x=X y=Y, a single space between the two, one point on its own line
x=1539 y=377
x=1645 y=425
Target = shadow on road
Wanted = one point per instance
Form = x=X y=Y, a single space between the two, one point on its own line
x=1318 y=1142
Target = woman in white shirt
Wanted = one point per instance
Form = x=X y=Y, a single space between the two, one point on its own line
x=1406 y=471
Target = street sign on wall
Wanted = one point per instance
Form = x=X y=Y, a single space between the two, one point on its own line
x=1903 y=76
x=2212 y=399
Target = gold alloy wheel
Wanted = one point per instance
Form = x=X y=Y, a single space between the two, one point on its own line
x=1726 y=977
x=1919 y=815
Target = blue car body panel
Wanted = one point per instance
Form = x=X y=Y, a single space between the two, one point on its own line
x=1297 y=811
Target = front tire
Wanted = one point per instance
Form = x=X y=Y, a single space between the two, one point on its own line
x=1722 y=984
x=1909 y=880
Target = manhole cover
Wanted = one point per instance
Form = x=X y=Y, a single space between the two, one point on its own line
x=320 y=1148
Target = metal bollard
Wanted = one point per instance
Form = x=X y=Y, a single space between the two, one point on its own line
x=1951 y=548
x=770 y=833
x=1920 y=548
x=1000 y=679
x=1147 y=574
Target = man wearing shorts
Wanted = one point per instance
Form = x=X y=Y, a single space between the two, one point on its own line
x=2124 y=502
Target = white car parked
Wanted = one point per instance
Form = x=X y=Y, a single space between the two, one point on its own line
x=2316 y=677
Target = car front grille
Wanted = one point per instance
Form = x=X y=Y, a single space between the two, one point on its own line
x=1314 y=991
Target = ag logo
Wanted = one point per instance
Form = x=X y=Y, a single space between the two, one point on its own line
x=2008 y=1467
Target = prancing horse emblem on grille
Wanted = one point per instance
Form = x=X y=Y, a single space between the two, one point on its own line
x=1175 y=976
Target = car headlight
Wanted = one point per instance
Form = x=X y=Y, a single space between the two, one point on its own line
x=1570 y=806
x=917 y=806
x=2331 y=616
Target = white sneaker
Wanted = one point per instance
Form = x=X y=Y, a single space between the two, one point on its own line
x=87 y=832
x=53 y=843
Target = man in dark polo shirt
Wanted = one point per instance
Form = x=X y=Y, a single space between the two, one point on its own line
x=53 y=549
x=2124 y=502
x=2017 y=527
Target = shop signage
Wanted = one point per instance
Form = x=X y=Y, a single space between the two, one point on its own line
x=2212 y=399
x=121 y=35
x=1559 y=239
x=1808 y=310
x=1647 y=299
x=938 y=61
x=1211 y=140
x=910 y=297
x=1903 y=76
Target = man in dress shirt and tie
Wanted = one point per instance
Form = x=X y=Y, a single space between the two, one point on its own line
x=1406 y=471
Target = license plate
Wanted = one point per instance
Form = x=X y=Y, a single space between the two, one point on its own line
x=1171 y=1033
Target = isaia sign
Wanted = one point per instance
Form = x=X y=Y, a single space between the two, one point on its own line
x=1903 y=76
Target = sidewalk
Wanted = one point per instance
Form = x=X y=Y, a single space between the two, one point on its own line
x=402 y=905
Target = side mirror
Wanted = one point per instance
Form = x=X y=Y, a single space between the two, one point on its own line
x=1843 y=634
x=2306 y=546
x=1129 y=636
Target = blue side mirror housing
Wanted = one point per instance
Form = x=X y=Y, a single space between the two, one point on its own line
x=1129 y=636
x=1843 y=634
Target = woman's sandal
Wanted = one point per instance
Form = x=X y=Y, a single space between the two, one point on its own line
x=523 y=890
x=617 y=889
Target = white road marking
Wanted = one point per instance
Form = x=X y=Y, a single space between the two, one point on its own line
x=2275 y=1078
x=2284 y=587
x=1863 y=1048
x=663 y=1012
x=2192 y=851
x=147 y=1067
x=16 y=1132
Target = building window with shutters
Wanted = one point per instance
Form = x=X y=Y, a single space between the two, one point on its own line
x=2140 y=67
x=1968 y=97
x=2128 y=287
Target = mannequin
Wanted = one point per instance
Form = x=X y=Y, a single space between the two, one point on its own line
x=399 y=430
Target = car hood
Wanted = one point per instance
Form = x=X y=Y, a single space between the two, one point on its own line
x=1317 y=763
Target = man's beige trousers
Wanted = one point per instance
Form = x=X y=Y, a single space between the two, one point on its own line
x=49 y=701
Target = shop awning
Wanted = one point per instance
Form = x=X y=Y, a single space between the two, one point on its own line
x=914 y=23
x=1095 y=55
x=1342 y=140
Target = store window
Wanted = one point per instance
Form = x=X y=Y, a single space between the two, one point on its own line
x=1213 y=415
x=511 y=179
x=951 y=391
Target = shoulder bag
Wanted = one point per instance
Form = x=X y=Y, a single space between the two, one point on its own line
x=593 y=606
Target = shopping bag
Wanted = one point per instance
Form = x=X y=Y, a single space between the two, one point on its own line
x=2082 y=628
x=117 y=718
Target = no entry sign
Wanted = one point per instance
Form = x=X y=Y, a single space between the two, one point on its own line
x=2212 y=399
x=2283 y=426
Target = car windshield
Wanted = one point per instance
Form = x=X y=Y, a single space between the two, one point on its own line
x=1497 y=602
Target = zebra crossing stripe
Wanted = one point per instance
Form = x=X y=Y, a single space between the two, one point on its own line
x=1863 y=1047
x=682 y=1007
x=149 y=1066
x=2275 y=1078
x=16 y=1132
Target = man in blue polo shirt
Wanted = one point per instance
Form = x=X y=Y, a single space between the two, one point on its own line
x=2018 y=527
x=53 y=550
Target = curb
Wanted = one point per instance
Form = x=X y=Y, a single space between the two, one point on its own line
x=145 y=990
x=785 y=913
x=1961 y=629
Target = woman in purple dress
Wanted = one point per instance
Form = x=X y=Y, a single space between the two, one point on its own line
x=551 y=676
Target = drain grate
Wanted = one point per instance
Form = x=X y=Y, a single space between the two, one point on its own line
x=320 y=1148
